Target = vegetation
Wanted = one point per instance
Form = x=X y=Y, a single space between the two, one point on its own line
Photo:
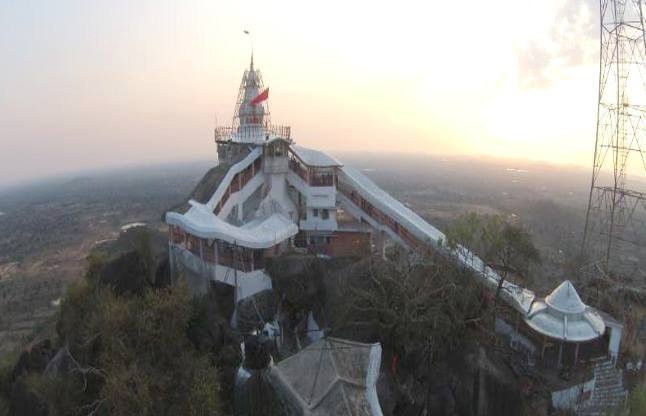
x=125 y=352
x=412 y=307
x=508 y=248
x=637 y=400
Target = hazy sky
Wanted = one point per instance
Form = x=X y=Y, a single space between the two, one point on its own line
x=101 y=83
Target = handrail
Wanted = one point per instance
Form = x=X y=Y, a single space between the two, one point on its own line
x=231 y=173
x=255 y=132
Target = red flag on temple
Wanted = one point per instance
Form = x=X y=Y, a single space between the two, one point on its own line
x=260 y=97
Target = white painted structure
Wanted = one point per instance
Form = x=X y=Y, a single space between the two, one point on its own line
x=276 y=195
x=563 y=316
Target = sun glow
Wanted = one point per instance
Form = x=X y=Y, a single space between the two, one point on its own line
x=508 y=78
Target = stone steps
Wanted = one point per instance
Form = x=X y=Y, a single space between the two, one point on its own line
x=609 y=392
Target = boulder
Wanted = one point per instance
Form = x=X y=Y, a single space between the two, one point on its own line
x=34 y=359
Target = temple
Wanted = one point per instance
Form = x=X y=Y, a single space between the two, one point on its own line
x=268 y=196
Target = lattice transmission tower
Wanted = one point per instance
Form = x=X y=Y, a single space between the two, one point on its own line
x=615 y=226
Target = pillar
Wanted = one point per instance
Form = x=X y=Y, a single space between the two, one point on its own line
x=558 y=362
x=614 y=342
x=542 y=348
x=576 y=354
x=379 y=242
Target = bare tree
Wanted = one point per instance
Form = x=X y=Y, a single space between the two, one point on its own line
x=411 y=307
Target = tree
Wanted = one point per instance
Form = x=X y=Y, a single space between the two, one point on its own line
x=465 y=235
x=130 y=353
x=505 y=247
x=412 y=308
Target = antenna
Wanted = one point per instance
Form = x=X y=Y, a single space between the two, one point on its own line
x=615 y=222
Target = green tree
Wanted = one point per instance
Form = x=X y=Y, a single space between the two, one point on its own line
x=637 y=400
x=507 y=248
x=130 y=354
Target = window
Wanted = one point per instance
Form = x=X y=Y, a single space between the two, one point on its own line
x=315 y=212
x=325 y=214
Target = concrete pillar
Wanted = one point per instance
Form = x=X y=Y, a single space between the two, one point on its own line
x=542 y=348
x=614 y=342
x=380 y=242
x=576 y=354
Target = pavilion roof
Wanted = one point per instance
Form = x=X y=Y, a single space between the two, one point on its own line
x=563 y=316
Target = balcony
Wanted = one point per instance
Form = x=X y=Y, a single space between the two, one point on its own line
x=251 y=133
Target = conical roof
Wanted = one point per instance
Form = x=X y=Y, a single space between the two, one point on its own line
x=251 y=85
x=565 y=299
x=563 y=316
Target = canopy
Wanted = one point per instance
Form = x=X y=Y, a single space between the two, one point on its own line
x=563 y=316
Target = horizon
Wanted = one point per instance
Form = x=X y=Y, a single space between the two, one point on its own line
x=352 y=155
x=106 y=84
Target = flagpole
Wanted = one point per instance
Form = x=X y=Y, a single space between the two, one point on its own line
x=248 y=33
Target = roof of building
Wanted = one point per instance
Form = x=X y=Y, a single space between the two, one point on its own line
x=394 y=208
x=563 y=316
x=520 y=297
x=260 y=233
x=315 y=158
x=565 y=299
x=331 y=377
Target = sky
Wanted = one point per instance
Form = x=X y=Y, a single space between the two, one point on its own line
x=95 y=84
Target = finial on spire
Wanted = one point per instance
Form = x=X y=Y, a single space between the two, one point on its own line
x=246 y=32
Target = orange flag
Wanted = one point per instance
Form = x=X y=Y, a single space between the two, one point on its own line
x=260 y=97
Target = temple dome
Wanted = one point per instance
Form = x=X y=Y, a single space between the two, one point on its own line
x=565 y=299
x=563 y=316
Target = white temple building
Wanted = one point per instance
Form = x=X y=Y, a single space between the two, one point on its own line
x=268 y=196
x=563 y=317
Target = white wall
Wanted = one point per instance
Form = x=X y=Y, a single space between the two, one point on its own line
x=315 y=196
x=571 y=397
x=247 y=283
x=317 y=223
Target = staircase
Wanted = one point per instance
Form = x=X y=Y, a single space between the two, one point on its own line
x=608 y=394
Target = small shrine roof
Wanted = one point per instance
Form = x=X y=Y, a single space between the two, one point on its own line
x=563 y=316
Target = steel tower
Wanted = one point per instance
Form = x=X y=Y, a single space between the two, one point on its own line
x=615 y=226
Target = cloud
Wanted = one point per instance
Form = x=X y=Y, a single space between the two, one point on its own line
x=571 y=41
